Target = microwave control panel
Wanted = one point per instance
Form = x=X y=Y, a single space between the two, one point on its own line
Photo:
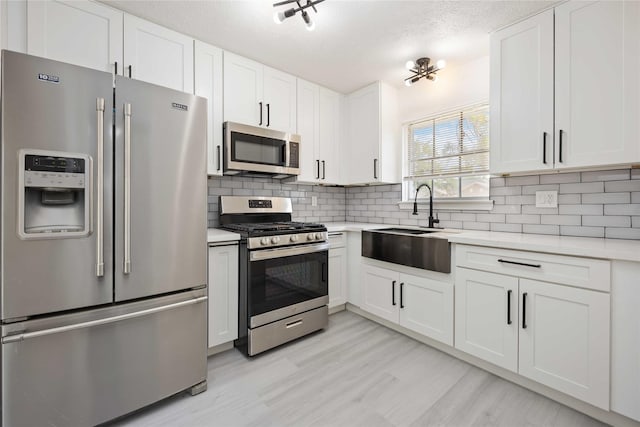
x=294 y=155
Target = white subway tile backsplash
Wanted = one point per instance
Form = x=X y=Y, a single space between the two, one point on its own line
x=584 y=187
x=523 y=219
x=592 y=204
x=569 y=230
x=561 y=219
x=520 y=200
x=581 y=210
x=508 y=228
x=541 y=229
x=628 y=185
x=606 y=198
x=531 y=189
x=631 y=209
x=560 y=178
x=612 y=175
x=505 y=191
x=622 y=233
x=607 y=221
x=523 y=180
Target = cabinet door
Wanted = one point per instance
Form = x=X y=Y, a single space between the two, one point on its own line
x=308 y=117
x=158 y=55
x=485 y=327
x=426 y=307
x=564 y=339
x=243 y=101
x=337 y=276
x=521 y=78
x=280 y=100
x=329 y=136
x=380 y=293
x=597 y=86
x=208 y=83
x=363 y=146
x=78 y=32
x=223 y=294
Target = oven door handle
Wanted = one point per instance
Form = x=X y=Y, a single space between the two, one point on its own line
x=290 y=251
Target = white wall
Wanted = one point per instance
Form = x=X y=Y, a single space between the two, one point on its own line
x=456 y=86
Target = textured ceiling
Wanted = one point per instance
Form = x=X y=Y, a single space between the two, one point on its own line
x=355 y=42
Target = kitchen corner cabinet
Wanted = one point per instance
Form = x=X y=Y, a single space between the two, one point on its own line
x=374 y=148
x=420 y=304
x=548 y=109
x=318 y=115
x=223 y=293
x=157 y=55
x=507 y=317
x=257 y=95
x=337 y=269
x=208 y=84
x=83 y=33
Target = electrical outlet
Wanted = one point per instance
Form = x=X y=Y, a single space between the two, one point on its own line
x=546 y=199
x=314 y=200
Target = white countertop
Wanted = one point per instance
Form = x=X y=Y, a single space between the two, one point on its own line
x=215 y=235
x=614 y=249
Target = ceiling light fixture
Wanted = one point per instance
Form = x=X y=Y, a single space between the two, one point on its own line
x=421 y=68
x=279 y=17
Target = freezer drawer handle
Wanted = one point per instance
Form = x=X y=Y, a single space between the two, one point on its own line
x=36 y=334
x=127 y=189
x=100 y=185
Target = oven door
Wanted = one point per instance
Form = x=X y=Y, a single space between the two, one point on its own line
x=287 y=281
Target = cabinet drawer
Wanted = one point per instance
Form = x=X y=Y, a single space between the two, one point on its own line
x=337 y=240
x=574 y=271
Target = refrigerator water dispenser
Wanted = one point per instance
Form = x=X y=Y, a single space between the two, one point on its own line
x=54 y=195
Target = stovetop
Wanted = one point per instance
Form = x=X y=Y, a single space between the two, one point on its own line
x=274 y=228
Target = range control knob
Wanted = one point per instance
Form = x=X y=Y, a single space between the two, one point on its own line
x=275 y=239
x=311 y=236
x=264 y=241
x=294 y=238
x=320 y=236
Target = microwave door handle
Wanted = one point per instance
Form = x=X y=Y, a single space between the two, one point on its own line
x=287 y=153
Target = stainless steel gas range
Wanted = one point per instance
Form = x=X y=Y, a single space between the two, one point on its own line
x=283 y=272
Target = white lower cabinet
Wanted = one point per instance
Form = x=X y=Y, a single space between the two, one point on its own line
x=554 y=334
x=337 y=270
x=420 y=304
x=223 y=294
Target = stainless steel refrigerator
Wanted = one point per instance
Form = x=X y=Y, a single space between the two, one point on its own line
x=103 y=243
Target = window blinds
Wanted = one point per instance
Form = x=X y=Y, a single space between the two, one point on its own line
x=452 y=144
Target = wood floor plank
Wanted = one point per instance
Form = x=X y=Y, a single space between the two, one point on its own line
x=355 y=373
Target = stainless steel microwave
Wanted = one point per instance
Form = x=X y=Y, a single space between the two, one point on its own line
x=250 y=150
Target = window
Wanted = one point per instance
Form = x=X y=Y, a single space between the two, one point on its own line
x=450 y=152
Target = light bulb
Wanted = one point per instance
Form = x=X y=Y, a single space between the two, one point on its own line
x=278 y=17
x=410 y=65
x=308 y=21
x=441 y=63
x=408 y=82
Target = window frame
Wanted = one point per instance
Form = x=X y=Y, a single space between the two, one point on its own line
x=408 y=193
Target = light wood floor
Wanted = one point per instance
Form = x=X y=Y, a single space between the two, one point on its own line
x=355 y=373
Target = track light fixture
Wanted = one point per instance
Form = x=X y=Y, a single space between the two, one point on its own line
x=279 y=17
x=421 y=68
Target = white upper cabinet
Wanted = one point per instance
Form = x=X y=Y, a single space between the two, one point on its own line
x=522 y=96
x=257 y=95
x=592 y=93
x=374 y=148
x=157 y=55
x=597 y=57
x=208 y=84
x=78 y=32
x=318 y=118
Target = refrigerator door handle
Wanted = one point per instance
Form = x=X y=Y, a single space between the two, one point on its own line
x=100 y=189
x=127 y=189
x=21 y=337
